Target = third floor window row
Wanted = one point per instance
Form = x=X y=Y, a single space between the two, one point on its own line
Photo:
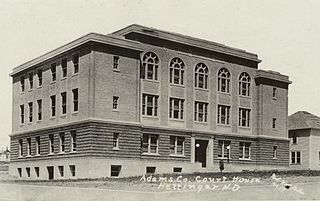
x=150 y=69
x=37 y=77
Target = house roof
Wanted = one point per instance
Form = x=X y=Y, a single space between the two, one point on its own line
x=188 y=40
x=303 y=120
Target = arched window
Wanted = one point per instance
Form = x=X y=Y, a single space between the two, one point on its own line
x=244 y=84
x=224 y=80
x=201 y=76
x=176 y=71
x=150 y=64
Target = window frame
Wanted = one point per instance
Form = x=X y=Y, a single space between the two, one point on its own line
x=224 y=81
x=64 y=67
x=22 y=84
x=176 y=71
x=294 y=157
x=174 y=147
x=29 y=147
x=146 y=106
x=39 y=103
x=224 y=145
x=149 y=145
x=275 y=152
x=73 y=143
x=75 y=62
x=274 y=123
x=115 y=141
x=201 y=74
x=150 y=60
x=115 y=103
x=51 y=143
x=243 y=147
x=244 y=84
x=53 y=69
x=30 y=77
x=62 y=142
x=30 y=104
x=198 y=105
x=246 y=120
x=225 y=115
x=38 y=150
x=75 y=101
x=115 y=65
x=22 y=114
x=40 y=76
x=176 y=109
x=64 y=103
x=20 y=151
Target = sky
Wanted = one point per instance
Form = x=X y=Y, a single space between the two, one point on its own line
x=285 y=34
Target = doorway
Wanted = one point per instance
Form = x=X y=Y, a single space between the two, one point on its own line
x=201 y=152
x=50 y=172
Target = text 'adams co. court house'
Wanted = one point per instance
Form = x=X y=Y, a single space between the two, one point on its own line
x=142 y=100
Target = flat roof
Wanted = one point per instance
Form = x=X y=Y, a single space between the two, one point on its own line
x=91 y=37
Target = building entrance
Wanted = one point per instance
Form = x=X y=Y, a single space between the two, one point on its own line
x=201 y=152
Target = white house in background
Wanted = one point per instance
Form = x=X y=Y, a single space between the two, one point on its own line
x=304 y=134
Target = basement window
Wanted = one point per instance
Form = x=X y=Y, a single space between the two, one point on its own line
x=36 y=169
x=177 y=169
x=28 y=171
x=72 y=170
x=151 y=170
x=61 y=171
x=115 y=170
x=20 y=172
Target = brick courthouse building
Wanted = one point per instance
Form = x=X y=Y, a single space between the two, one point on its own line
x=142 y=100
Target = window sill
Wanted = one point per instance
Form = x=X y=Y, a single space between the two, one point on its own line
x=150 y=117
x=295 y=163
x=75 y=74
x=21 y=125
x=274 y=98
x=224 y=125
x=72 y=152
x=245 y=128
x=150 y=154
x=53 y=82
x=274 y=129
x=20 y=156
x=75 y=113
x=28 y=156
x=115 y=110
x=29 y=123
x=61 y=153
x=275 y=158
x=116 y=70
x=52 y=118
x=63 y=116
x=39 y=87
x=224 y=93
x=22 y=93
x=37 y=155
x=154 y=81
x=245 y=159
x=177 y=85
x=201 y=122
x=116 y=148
x=177 y=120
x=226 y=158
x=64 y=78
x=39 y=121
x=177 y=155
x=30 y=90
x=50 y=154
x=246 y=97
x=202 y=89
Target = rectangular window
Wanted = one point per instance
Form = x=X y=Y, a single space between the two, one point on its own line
x=51 y=144
x=72 y=170
x=73 y=141
x=115 y=170
x=64 y=102
x=61 y=171
x=150 y=143
x=244 y=117
x=176 y=108
x=274 y=120
x=295 y=157
x=177 y=169
x=62 y=142
x=115 y=102
x=75 y=61
x=201 y=112
x=274 y=92
x=21 y=114
x=53 y=105
x=38 y=145
x=115 y=62
x=275 y=152
x=19 y=172
x=39 y=109
x=64 y=67
x=53 y=72
x=37 y=171
x=294 y=140
x=39 y=74
x=75 y=100
x=22 y=83
x=20 y=148
x=224 y=148
x=176 y=145
x=31 y=80
x=28 y=171
x=244 y=150
x=116 y=140
x=223 y=114
x=150 y=170
x=149 y=105
x=30 y=111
